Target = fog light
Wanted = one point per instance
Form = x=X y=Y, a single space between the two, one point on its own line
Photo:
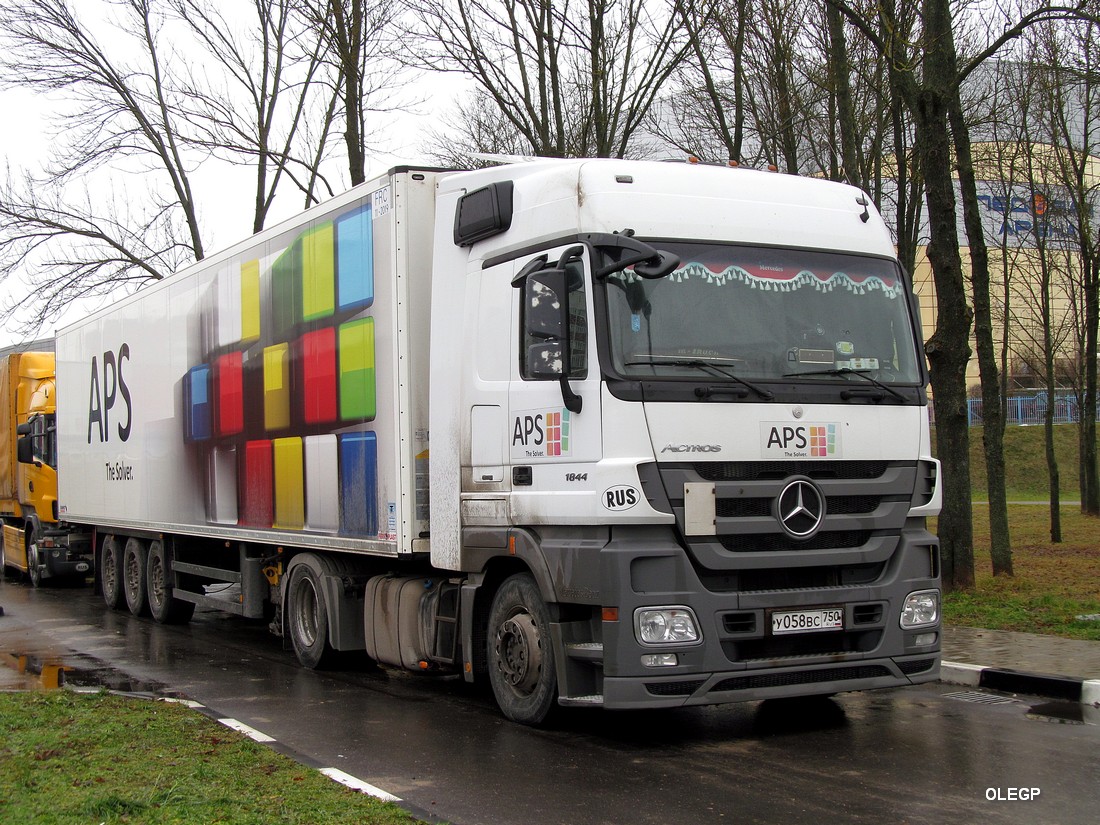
x=920 y=609
x=665 y=625
x=660 y=660
x=924 y=639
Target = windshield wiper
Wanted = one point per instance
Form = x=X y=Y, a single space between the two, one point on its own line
x=849 y=371
x=696 y=363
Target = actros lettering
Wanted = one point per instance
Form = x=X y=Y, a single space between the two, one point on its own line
x=107 y=388
x=692 y=448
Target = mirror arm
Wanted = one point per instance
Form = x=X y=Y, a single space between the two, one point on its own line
x=572 y=401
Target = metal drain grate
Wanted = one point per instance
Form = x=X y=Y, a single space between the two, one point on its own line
x=979 y=698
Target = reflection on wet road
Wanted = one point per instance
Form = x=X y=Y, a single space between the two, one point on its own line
x=900 y=755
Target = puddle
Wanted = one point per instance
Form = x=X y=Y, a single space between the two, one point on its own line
x=1065 y=713
x=80 y=672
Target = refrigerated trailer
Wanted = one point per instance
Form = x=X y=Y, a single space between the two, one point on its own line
x=597 y=432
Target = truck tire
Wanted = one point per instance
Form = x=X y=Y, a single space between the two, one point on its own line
x=34 y=560
x=110 y=572
x=135 y=558
x=307 y=619
x=521 y=656
x=165 y=607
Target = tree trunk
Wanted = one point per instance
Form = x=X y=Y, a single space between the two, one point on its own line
x=1090 y=478
x=993 y=421
x=838 y=57
x=949 y=348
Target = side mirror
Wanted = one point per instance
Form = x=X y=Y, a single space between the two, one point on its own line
x=24 y=448
x=546 y=329
x=24 y=429
x=546 y=313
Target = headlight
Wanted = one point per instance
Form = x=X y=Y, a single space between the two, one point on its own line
x=665 y=626
x=920 y=609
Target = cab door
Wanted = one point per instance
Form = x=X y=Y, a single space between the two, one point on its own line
x=554 y=417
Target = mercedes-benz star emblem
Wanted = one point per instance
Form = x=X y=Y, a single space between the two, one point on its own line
x=800 y=508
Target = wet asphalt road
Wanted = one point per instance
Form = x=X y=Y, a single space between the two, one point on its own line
x=915 y=755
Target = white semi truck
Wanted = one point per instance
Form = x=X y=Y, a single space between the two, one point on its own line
x=630 y=434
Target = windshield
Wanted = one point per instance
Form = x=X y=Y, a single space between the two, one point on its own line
x=761 y=313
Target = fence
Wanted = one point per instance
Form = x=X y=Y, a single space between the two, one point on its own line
x=1031 y=409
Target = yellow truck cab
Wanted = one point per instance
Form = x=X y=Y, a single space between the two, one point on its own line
x=36 y=541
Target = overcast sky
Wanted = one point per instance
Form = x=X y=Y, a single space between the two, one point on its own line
x=225 y=193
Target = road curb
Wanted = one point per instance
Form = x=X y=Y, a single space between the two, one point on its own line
x=1066 y=688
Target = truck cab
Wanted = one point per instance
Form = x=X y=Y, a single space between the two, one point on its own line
x=36 y=541
x=689 y=404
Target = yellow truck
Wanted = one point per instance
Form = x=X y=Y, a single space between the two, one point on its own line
x=36 y=541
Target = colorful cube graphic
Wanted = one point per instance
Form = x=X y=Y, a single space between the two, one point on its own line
x=289 y=360
x=303 y=286
x=198 y=413
x=317 y=358
x=823 y=440
x=358 y=400
x=290 y=500
x=221 y=485
x=318 y=268
x=256 y=485
x=322 y=483
x=250 y=300
x=276 y=387
x=229 y=394
x=359 y=484
x=557 y=432
x=355 y=259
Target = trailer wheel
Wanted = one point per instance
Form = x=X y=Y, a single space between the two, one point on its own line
x=165 y=607
x=110 y=572
x=307 y=618
x=521 y=656
x=134 y=561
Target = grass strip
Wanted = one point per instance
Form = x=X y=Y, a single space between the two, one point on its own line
x=100 y=758
x=1053 y=583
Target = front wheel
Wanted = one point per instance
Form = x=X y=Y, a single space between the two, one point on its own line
x=521 y=655
x=307 y=618
x=34 y=560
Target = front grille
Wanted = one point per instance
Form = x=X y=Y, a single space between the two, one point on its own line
x=864 y=502
x=793 y=578
x=673 y=688
x=809 y=644
x=781 y=542
x=802 y=677
x=916 y=666
x=852 y=505
x=778 y=470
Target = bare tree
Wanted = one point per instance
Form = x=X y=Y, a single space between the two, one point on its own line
x=360 y=46
x=572 y=78
x=251 y=112
x=1075 y=121
x=120 y=112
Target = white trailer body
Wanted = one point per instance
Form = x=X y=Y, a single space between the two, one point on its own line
x=275 y=392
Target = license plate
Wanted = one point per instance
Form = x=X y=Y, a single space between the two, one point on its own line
x=807 y=621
